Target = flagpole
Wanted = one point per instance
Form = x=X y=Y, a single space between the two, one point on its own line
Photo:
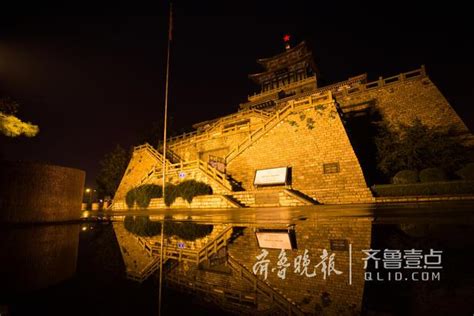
x=164 y=153
x=166 y=100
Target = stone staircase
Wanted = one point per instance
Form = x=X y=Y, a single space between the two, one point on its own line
x=153 y=251
x=272 y=198
x=226 y=298
x=218 y=178
x=217 y=128
x=277 y=117
x=283 y=303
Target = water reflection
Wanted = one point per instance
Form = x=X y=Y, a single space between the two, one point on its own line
x=220 y=266
x=325 y=275
x=35 y=257
x=216 y=267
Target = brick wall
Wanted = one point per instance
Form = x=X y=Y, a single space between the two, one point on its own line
x=404 y=101
x=140 y=164
x=305 y=141
x=202 y=201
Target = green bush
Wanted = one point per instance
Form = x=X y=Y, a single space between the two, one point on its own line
x=427 y=188
x=142 y=195
x=467 y=172
x=405 y=177
x=188 y=230
x=130 y=197
x=143 y=226
x=146 y=192
x=170 y=194
x=433 y=175
x=190 y=188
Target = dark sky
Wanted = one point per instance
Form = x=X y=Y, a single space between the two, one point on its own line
x=93 y=77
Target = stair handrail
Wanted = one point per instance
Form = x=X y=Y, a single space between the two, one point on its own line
x=276 y=118
x=281 y=301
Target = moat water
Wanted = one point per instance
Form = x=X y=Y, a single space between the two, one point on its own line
x=405 y=259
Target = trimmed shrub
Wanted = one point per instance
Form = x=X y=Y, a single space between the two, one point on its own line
x=433 y=175
x=188 y=230
x=405 y=177
x=130 y=197
x=190 y=188
x=143 y=226
x=467 y=172
x=427 y=188
x=170 y=194
x=146 y=192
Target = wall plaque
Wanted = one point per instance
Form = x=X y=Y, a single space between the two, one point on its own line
x=339 y=244
x=273 y=176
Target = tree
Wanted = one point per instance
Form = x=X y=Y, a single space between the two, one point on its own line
x=112 y=168
x=12 y=126
x=417 y=146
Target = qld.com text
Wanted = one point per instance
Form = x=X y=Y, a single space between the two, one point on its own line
x=402 y=276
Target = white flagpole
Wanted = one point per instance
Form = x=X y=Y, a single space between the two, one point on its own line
x=164 y=153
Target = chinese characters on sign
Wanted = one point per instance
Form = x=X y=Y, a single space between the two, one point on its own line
x=301 y=265
x=411 y=261
x=410 y=265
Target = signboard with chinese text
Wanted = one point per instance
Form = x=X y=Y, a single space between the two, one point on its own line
x=276 y=239
x=273 y=176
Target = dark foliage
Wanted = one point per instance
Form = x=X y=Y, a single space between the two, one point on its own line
x=405 y=177
x=112 y=168
x=433 y=175
x=146 y=192
x=466 y=172
x=190 y=188
x=143 y=226
x=427 y=188
x=417 y=146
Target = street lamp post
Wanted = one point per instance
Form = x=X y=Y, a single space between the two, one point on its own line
x=89 y=191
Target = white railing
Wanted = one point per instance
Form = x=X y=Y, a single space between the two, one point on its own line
x=276 y=118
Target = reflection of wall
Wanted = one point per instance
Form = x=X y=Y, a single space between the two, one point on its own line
x=36 y=257
x=307 y=293
x=32 y=192
x=315 y=237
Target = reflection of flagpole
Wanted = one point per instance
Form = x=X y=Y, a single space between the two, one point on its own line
x=161 y=266
x=164 y=152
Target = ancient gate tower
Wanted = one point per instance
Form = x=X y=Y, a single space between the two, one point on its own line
x=294 y=126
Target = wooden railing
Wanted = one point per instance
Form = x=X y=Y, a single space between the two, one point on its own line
x=291 y=85
x=237 y=116
x=215 y=174
x=212 y=289
x=276 y=118
x=382 y=82
x=260 y=286
x=195 y=256
x=212 y=131
x=148 y=270
x=206 y=135
x=203 y=166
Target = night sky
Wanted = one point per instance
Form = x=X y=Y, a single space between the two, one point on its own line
x=93 y=77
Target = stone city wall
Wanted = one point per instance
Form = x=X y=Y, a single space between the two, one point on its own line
x=314 y=143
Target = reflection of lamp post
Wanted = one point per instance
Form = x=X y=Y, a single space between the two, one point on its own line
x=90 y=196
